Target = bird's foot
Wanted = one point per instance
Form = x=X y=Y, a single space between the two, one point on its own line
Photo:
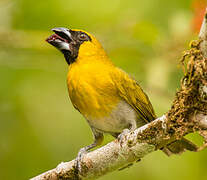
x=79 y=158
x=122 y=136
x=127 y=166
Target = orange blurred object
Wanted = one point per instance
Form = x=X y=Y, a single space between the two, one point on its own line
x=199 y=7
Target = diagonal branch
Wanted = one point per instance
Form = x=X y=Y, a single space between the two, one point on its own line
x=115 y=154
x=187 y=114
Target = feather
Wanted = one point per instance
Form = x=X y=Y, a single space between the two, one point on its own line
x=130 y=91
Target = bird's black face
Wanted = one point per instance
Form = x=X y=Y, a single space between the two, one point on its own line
x=68 y=42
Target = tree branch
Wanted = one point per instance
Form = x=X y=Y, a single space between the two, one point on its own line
x=203 y=36
x=188 y=114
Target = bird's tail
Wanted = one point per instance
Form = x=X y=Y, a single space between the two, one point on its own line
x=179 y=147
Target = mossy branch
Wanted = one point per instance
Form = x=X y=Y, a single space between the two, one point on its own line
x=187 y=114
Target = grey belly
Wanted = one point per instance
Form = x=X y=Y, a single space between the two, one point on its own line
x=122 y=117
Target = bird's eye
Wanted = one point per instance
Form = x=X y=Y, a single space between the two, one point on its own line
x=83 y=37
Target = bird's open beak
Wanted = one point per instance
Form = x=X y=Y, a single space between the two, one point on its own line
x=61 y=39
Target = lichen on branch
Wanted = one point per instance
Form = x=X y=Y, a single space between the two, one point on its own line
x=191 y=99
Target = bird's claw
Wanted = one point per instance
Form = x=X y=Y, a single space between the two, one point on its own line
x=127 y=166
x=122 y=136
x=79 y=158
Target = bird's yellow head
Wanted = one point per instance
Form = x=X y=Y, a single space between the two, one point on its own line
x=75 y=44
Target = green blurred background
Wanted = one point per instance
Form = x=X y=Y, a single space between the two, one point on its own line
x=39 y=128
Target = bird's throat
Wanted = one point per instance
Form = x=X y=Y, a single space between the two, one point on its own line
x=69 y=59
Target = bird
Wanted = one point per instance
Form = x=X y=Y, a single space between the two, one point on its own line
x=109 y=98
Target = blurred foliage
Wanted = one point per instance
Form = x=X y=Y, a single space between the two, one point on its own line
x=39 y=128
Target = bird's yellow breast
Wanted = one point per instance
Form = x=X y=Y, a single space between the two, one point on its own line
x=91 y=88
